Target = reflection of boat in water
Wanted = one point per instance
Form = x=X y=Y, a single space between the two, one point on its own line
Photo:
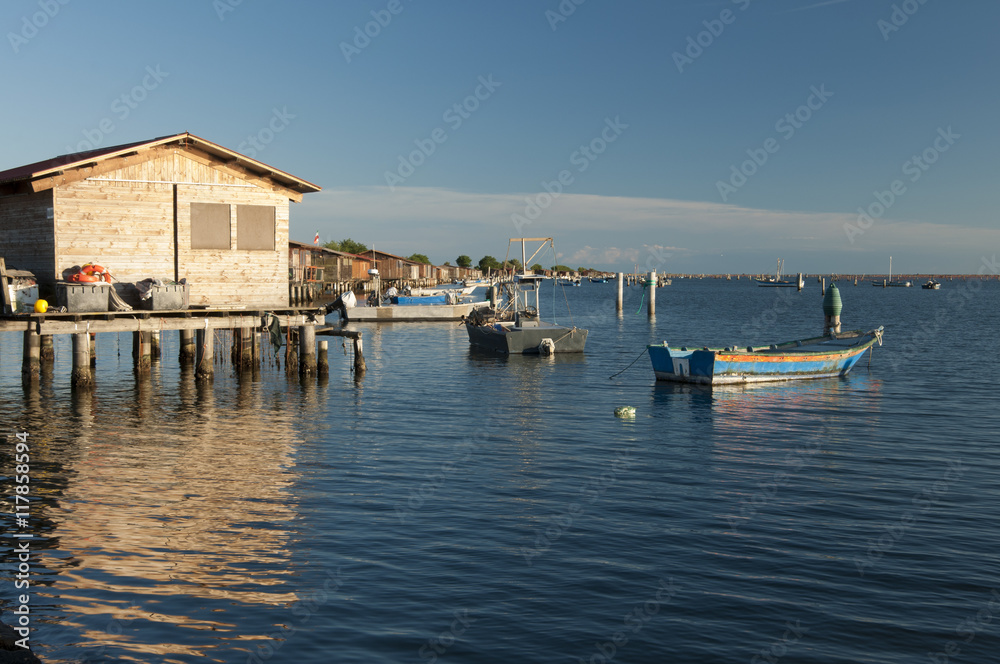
x=515 y=328
x=818 y=357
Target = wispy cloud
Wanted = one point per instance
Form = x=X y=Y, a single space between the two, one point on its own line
x=608 y=231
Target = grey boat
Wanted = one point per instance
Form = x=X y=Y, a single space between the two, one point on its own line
x=514 y=327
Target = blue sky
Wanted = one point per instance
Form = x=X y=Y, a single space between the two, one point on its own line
x=689 y=135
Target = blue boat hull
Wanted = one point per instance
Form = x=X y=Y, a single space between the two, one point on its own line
x=821 y=357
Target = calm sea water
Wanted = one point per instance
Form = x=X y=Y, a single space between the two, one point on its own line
x=458 y=506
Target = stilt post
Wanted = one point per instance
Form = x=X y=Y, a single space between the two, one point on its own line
x=204 y=369
x=140 y=352
x=31 y=363
x=154 y=346
x=322 y=359
x=307 y=350
x=187 y=348
x=47 y=350
x=82 y=375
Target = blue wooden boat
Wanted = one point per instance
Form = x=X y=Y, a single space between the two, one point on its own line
x=819 y=357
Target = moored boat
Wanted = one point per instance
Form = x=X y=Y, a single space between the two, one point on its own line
x=818 y=357
x=407 y=309
x=777 y=282
x=932 y=285
x=515 y=328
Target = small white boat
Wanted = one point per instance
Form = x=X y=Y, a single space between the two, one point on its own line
x=406 y=309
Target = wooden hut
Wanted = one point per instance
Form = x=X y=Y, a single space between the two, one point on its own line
x=176 y=207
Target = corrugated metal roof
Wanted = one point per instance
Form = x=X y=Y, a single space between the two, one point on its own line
x=69 y=162
x=26 y=172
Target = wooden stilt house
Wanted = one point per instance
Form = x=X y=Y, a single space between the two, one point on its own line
x=173 y=208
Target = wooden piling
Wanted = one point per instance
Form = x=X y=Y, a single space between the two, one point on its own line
x=31 y=365
x=92 y=349
x=154 y=346
x=291 y=353
x=141 y=352
x=359 y=357
x=652 y=294
x=204 y=369
x=242 y=351
x=187 y=347
x=307 y=350
x=47 y=352
x=322 y=359
x=822 y=286
x=620 y=300
x=82 y=375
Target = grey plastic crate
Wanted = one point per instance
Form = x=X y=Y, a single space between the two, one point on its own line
x=79 y=298
x=166 y=298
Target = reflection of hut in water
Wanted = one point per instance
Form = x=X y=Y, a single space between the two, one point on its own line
x=179 y=504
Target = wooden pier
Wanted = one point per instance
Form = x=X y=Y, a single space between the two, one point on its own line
x=196 y=328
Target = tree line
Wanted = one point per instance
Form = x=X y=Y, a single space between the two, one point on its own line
x=485 y=264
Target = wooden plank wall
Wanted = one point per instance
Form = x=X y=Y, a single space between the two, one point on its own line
x=126 y=227
x=253 y=278
x=124 y=220
x=26 y=234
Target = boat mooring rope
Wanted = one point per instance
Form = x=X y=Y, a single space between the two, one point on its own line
x=646 y=283
x=612 y=376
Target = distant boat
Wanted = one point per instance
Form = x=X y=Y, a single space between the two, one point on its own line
x=818 y=357
x=777 y=282
x=932 y=285
x=598 y=280
x=516 y=327
x=889 y=283
x=440 y=290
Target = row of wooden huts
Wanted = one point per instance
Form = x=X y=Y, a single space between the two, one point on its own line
x=335 y=271
x=176 y=208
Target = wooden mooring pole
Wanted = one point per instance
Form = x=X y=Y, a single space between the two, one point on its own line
x=652 y=294
x=359 y=357
x=620 y=300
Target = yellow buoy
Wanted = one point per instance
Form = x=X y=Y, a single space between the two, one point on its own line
x=41 y=306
